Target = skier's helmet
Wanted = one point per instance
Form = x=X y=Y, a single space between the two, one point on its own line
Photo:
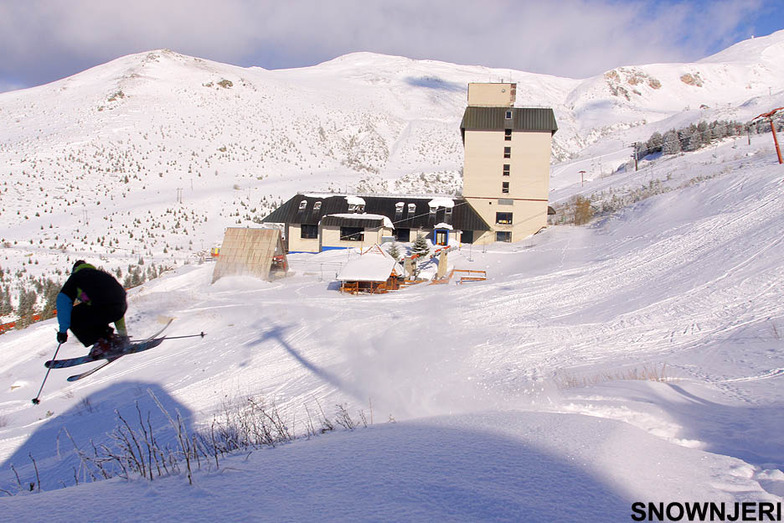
x=76 y=265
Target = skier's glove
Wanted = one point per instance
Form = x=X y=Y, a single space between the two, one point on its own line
x=62 y=337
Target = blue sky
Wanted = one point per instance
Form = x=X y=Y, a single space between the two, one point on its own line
x=45 y=40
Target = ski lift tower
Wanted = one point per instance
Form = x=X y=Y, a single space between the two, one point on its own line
x=769 y=115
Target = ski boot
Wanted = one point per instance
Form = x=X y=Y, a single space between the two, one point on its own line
x=111 y=344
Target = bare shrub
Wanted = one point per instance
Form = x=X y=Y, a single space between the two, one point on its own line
x=135 y=450
x=582 y=210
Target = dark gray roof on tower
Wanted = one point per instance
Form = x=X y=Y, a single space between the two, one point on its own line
x=495 y=119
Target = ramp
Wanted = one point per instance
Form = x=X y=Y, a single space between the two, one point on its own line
x=253 y=252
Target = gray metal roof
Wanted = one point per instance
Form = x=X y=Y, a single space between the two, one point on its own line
x=357 y=220
x=462 y=217
x=494 y=119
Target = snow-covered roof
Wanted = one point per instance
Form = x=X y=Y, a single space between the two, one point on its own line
x=321 y=195
x=442 y=202
x=373 y=265
x=355 y=200
x=443 y=225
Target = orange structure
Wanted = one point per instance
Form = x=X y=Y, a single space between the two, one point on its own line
x=769 y=115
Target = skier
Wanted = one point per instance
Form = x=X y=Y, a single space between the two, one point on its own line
x=101 y=301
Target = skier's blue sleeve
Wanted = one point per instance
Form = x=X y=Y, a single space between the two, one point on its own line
x=64 y=306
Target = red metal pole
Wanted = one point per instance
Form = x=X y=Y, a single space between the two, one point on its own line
x=776 y=140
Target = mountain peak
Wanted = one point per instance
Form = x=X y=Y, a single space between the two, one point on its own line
x=768 y=48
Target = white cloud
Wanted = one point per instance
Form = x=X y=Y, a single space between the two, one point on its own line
x=47 y=39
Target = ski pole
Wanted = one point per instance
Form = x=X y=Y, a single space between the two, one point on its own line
x=36 y=401
x=200 y=335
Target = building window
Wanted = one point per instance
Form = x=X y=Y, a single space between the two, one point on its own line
x=411 y=208
x=399 y=208
x=507 y=152
x=503 y=236
x=303 y=205
x=317 y=206
x=433 y=209
x=403 y=235
x=507 y=168
x=351 y=234
x=508 y=115
x=308 y=232
x=505 y=187
x=503 y=218
x=508 y=135
x=356 y=207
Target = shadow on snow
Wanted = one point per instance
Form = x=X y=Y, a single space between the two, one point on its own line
x=89 y=423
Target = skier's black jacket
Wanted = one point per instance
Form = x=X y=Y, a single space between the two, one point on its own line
x=93 y=287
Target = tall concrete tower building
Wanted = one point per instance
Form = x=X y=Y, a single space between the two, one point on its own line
x=506 y=172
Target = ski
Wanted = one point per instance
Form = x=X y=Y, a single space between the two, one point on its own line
x=131 y=349
x=92 y=371
x=70 y=362
x=139 y=347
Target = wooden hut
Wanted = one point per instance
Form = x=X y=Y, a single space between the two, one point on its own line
x=375 y=271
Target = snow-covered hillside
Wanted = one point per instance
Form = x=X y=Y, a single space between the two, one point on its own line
x=149 y=157
x=637 y=359
x=525 y=397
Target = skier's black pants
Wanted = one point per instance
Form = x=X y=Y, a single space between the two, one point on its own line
x=89 y=323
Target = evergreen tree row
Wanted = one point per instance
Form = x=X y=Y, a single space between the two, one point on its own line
x=694 y=136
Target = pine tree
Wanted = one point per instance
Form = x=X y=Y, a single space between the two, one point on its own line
x=26 y=307
x=422 y=249
x=394 y=251
x=718 y=130
x=5 y=302
x=693 y=139
x=654 y=144
x=705 y=133
x=50 y=292
x=420 y=246
x=670 y=143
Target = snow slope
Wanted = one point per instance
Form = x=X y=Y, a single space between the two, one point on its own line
x=520 y=398
x=525 y=397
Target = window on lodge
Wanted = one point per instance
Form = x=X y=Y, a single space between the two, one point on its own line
x=505 y=187
x=508 y=135
x=403 y=235
x=503 y=236
x=308 y=231
x=352 y=234
x=507 y=152
x=507 y=169
x=303 y=205
x=503 y=218
x=411 y=208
